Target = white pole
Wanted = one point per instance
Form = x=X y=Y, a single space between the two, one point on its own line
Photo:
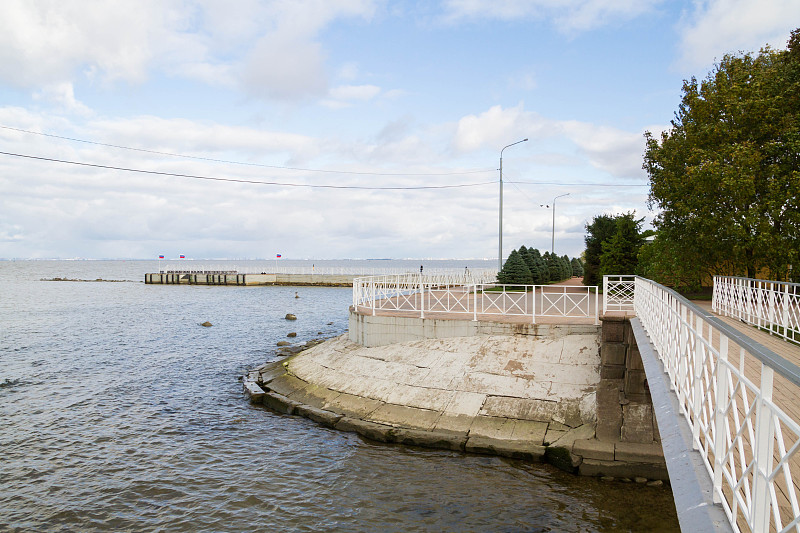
x=553 y=241
x=500 y=224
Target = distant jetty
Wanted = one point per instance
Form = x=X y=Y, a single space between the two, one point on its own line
x=228 y=277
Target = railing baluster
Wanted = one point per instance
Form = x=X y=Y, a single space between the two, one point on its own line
x=762 y=453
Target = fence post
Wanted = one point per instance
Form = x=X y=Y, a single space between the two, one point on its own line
x=605 y=294
x=373 y=295
x=772 y=304
x=421 y=297
x=697 y=381
x=533 y=306
x=720 y=415
x=596 y=305
x=714 y=295
x=475 y=303
x=785 y=319
x=762 y=453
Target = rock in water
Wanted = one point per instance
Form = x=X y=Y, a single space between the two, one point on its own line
x=292 y=334
x=206 y=324
x=284 y=343
x=290 y=316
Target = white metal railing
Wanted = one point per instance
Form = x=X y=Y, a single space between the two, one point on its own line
x=618 y=293
x=473 y=295
x=749 y=445
x=771 y=305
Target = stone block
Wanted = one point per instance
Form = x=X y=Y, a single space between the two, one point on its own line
x=613 y=329
x=562 y=458
x=639 y=453
x=506 y=448
x=353 y=406
x=613 y=353
x=278 y=402
x=446 y=440
x=492 y=426
x=368 y=430
x=635 y=382
x=552 y=436
x=634 y=359
x=609 y=411
x=453 y=423
x=637 y=423
x=253 y=391
x=594 y=449
x=529 y=430
x=616 y=372
x=286 y=384
x=567 y=440
x=320 y=416
x=402 y=416
x=595 y=467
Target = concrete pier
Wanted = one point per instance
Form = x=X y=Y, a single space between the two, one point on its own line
x=523 y=391
x=234 y=278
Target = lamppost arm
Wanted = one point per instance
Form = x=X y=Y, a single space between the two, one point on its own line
x=553 y=241
x=500 y=223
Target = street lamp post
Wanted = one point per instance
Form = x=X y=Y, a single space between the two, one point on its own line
x=553 y=241
x=500 y=224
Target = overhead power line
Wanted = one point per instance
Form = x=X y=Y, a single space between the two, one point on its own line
x=578 y=184
x=211 y=159
x=236 y=180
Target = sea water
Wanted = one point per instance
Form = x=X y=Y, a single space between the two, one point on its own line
x=120 y=412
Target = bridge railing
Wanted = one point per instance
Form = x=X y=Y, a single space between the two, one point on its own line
x=771 y=305
x=474 y=295
x=724 y=384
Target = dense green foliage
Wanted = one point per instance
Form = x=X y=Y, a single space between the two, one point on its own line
x=726 y=175
x=527 y=266
x=613 y=244
x=601 y=229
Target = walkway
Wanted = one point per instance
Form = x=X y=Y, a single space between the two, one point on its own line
x=785 y=394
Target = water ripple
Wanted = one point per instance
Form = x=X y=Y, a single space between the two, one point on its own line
x=118 y=413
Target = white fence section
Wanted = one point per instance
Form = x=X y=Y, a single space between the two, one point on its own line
x=618 y=293
x=771 y=305
x=473 y=295
x=749 y=445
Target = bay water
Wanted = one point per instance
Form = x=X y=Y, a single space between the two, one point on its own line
x=120 y=412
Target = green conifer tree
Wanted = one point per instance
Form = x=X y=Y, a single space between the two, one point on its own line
x=515 y=271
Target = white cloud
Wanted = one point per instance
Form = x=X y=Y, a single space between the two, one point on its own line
x=344 y=95
x=269 y=49
x=717 y=27
x=566 y=15
x=62 y=95
x=617 y=152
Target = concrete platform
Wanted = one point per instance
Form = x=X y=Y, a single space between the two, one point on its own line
x=519 y=396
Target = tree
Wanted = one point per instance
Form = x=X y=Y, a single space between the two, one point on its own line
x=566 y=268
x=553 y=266
x=601 y=229
x=621 y=251
x=726 y=175
x=515 y=271
x=577 y=267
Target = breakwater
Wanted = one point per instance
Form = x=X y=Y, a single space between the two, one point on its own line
x=235 y=278
x=523 y=391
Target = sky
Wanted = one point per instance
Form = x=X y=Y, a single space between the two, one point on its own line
x=328 y=129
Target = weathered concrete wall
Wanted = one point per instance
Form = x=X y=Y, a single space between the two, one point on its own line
x=370 y=331
x=626 y=437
